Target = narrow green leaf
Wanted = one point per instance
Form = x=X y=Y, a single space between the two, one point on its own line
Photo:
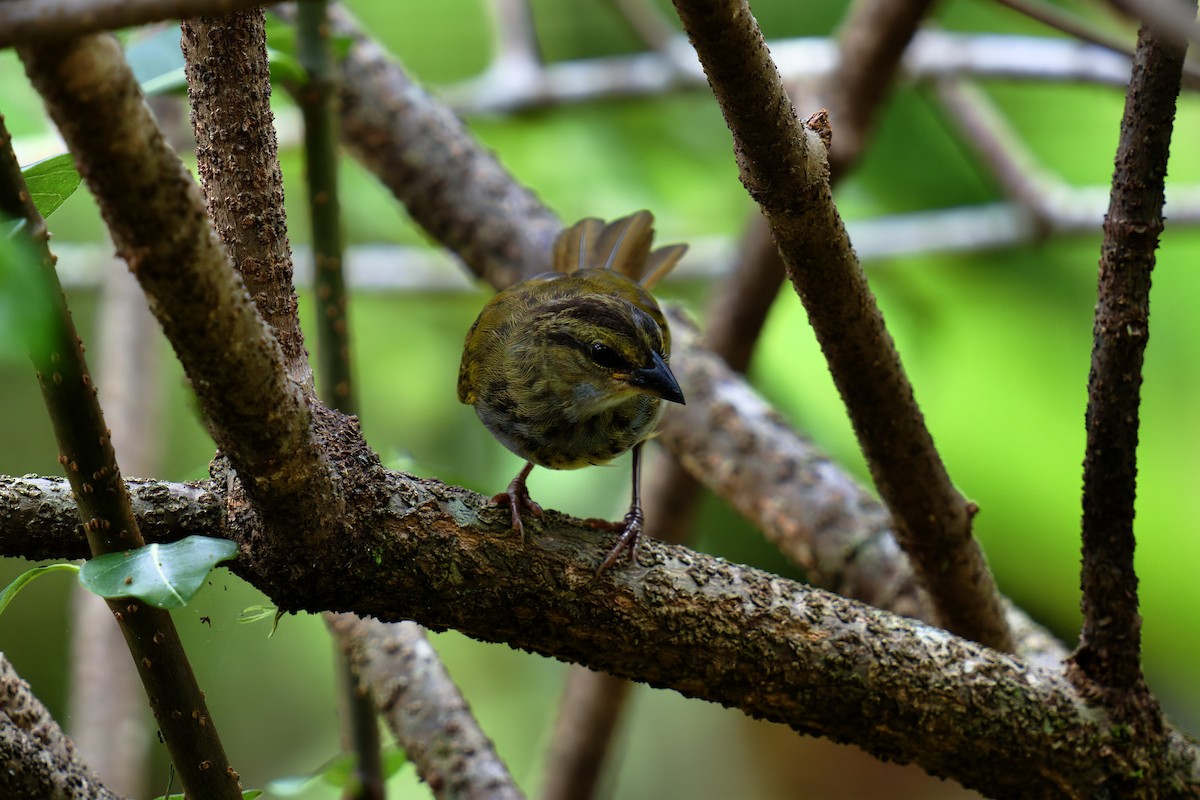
x=51 y=181
x=26 y=577
x=163 y=575
x=26 y=316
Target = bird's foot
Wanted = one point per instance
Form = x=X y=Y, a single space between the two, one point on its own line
x=517 y=499
x=631 y=531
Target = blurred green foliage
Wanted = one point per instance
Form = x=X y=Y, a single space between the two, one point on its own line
x=997 y=345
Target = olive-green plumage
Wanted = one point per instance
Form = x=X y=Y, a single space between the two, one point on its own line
x=569 y=368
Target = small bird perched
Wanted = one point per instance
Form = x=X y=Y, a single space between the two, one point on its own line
x=569 y=368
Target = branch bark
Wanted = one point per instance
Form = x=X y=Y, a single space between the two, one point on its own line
x=426 y=157
x=820 y=663
x=1108 y=661
x=37 y=758
x=89 y=459
x=783 y=168
x=405 y=679
x=25 y=21
x=229 y=91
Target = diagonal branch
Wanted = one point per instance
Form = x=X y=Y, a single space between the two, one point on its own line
x=39 y=760
x=423 y=153
x=25 y=21
x=406 y=680
x=783 y=168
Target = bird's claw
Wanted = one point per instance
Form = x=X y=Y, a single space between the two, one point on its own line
x=627 y=542
x=517 y=499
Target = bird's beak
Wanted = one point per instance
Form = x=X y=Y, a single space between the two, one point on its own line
x=657 y=380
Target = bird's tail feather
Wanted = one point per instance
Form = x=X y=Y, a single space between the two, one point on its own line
x=622 y=245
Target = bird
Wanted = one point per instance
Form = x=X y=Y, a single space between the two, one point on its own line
x=570 y=368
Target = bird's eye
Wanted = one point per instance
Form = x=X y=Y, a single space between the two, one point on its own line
x=607 y=357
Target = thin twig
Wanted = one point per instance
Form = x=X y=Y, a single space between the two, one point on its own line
x=105 y=696
x=317 y=100
x=783 y=169
x=1108 y=659
x=25 y=21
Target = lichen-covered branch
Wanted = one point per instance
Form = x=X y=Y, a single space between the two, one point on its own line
x=38 y=759
x=823 y=664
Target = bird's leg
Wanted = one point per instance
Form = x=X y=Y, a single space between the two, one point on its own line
x=517 y=497
x=634 y=521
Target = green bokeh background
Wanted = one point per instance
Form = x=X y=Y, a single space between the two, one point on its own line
x=996 y=343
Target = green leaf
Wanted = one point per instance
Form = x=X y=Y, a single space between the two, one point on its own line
x=285 y=67
x=338 y=772
x=26 y=315
x=51 y=181
x=26 y=577
x=163 y=575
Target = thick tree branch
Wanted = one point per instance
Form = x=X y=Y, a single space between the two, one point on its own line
x=259 y=418
x=25 y=21
x=1109 y=659
x=37 y=758
x=783 y=169
x=684 y=620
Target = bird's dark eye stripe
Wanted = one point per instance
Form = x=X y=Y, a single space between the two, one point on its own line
x=601 y=315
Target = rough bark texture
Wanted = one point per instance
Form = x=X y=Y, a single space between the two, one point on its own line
x=87 y=456
x=401 y=671
x=1107 y=664
x=229 y=90
x=783 y=168
x=36 y=758
x=775 y=649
